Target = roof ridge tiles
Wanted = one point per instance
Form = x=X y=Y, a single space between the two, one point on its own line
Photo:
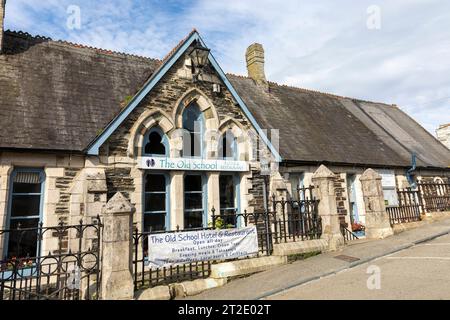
x=40 y=38
x=180 y=43
x=316 y=91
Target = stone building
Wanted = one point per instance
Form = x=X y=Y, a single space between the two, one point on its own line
x=78 y=124
x=443 y=134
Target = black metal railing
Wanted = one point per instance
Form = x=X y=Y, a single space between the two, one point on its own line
x=297 y=219
x=261 y=220
x=70 y=270
x=287 y=221
x=146 y=277
x=347 y=234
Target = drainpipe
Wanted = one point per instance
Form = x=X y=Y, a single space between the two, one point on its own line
x=410 y=171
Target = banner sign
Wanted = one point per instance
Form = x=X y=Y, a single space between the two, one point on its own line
x=166 y=249
x=157 y=163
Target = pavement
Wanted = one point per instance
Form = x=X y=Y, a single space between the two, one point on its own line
x=425 y=251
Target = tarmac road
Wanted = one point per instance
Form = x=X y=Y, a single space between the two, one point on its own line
x=420 y=272
x=413 y=264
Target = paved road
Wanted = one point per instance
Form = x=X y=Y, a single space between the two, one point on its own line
x=420 y=272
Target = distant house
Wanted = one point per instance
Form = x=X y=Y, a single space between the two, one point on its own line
x=78 y=124
x=443 y=134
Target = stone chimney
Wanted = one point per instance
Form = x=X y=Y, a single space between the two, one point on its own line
x=255 y=63
x=2 y=22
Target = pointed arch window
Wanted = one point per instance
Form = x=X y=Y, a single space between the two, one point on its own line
x=194 y=124
x=228 y=146
x=156 y=143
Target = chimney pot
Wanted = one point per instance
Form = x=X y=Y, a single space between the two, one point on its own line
x=255 y=64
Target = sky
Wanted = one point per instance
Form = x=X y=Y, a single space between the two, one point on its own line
x=396 y=52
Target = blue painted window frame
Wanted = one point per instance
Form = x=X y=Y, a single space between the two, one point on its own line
x=164 y=141
x=204 y=197
x=9 y=216
x=200 y=118
x=352 y=195
x=167 y=193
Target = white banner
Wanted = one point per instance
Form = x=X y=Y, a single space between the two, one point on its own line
x=166 y=249
x=162 y=163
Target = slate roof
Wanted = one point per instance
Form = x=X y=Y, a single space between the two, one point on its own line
x=321 y=127
x=59 y=96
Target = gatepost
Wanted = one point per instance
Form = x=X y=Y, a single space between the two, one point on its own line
x=117 y=278
x=323 y=181
x=377 y=219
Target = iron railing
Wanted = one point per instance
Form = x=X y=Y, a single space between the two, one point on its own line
x=347 y=234
x=261 y=220
x=297 y=219
x=70 y=270
x=146 y=277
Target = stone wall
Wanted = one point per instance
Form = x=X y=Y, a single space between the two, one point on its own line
x=340 y=188
x=119 y=180
x=165 y=97
x=256 y=203
x=63 y=184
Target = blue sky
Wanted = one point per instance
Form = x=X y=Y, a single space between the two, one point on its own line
x=324 y=45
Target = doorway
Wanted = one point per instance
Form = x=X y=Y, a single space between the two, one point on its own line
x=228 y=190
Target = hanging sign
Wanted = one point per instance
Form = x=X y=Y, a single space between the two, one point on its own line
x=162 y=163
x=166 y=249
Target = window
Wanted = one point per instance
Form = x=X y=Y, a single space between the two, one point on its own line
x=228 y=146
x=353 y=205
x=155 y=143
x=194 y=123
x=297 y=183
x=228 y=203
x=155 y=204
x=193 y=201
x=25 y=211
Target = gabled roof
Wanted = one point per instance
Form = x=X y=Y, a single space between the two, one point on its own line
x=61 y=96
x=165 y=66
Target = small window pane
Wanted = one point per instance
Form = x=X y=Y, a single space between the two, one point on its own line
x=155 y=145
x=193 y=220
x=191 y=115
x=26 y=187
x=23 y=243
x=196 y=144
x=193 y=200
x=154 y=222
x=193 y=183
x=193 y=122
x=154 y=182
x=227 y=149
x=226 y=188
x=155 y=202
x=25 y=205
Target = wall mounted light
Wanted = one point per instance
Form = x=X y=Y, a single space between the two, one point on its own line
x=199 y=56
